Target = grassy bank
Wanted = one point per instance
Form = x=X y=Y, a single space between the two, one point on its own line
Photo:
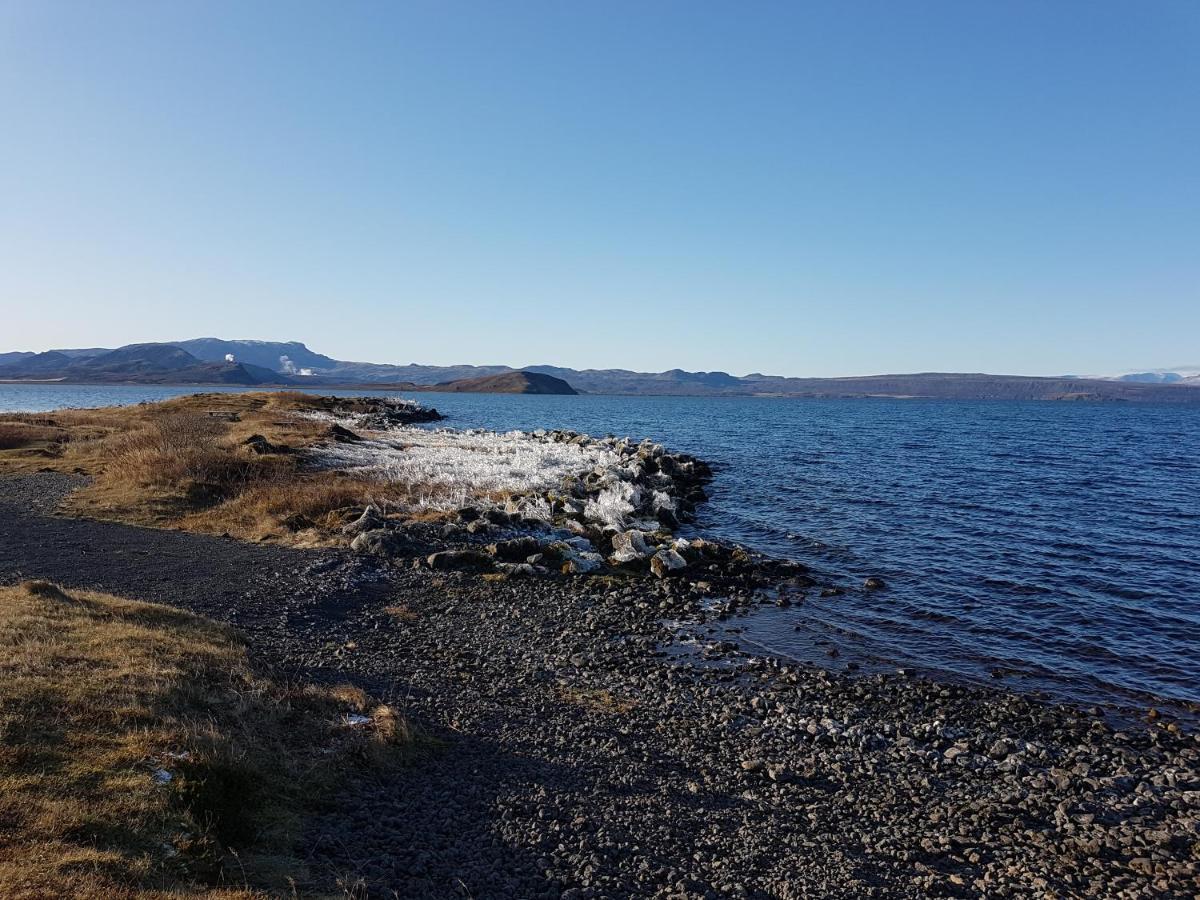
x=141 y=755
x=216 y=463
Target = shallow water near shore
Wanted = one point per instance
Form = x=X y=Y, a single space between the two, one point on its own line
x=1054 y=544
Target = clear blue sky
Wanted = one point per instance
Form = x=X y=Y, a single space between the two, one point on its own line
x=793 y=188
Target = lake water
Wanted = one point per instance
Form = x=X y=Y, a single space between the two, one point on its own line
x=1056 y=542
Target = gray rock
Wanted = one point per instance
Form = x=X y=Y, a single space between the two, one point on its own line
x=629 y=546
x=1001 y=748
x=582 y=563
x=665 y=562
x=371 y=519
x=378 y=542
x=515 y=550
x=460 y=559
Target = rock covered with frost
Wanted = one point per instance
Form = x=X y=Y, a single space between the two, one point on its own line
x=601 y=492
x=629 y=546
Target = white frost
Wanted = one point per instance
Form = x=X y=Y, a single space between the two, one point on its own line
x=613 y=505
x=446 y=469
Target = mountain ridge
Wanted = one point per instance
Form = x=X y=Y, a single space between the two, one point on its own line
x=218 y=361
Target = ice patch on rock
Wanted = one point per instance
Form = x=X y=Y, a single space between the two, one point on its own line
x=614 y=505
x=448 y=469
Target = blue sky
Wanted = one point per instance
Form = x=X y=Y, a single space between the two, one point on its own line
x=792 y=188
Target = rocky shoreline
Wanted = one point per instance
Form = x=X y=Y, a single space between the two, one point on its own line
x=589 y=752
x=618 y=517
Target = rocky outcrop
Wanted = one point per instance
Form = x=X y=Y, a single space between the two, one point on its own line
x=381 y=413
x=618 y=520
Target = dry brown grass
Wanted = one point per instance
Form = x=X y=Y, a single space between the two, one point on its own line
x=16 y=435
x=97 y=694
x=182 y=463
x=402 y=613
x=597 y=699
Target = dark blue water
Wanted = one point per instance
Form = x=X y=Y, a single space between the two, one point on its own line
x=1058 y=542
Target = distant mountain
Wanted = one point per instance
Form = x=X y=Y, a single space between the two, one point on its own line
x=81 y=352
x=293 y=357
x=171 y=364
x=417 y=374
x=278 y=356
x=1152 y=377
x=136 y=363
x=216 y=361
x=623 y=381
x=974 y=386
x=139 y=358
x=507 y=383
x=50 y=361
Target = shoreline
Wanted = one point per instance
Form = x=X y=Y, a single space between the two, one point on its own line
x=590 y=752
x=602 y=763
x=556 y=534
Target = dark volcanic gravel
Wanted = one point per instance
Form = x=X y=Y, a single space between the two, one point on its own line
x=581 y=759
x=40 y=493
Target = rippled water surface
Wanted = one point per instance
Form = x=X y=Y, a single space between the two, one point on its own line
x=1058 y=543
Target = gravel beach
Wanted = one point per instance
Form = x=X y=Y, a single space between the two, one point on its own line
x=584 y=753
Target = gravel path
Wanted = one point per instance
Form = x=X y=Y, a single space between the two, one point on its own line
x=587 y=755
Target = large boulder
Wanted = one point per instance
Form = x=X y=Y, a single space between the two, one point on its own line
x=471 y=560
x=582 y=563
x=664 y=562
x=371 y=519
x=378 y=542
x=516 y=550
x=629 y=546
x=256 y=443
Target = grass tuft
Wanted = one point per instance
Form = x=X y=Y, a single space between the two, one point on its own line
x=597 y=699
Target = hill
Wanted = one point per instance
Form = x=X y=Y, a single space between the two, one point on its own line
x=171 y=364
x=134 y=363
x=287 y=357
x=508 y=383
